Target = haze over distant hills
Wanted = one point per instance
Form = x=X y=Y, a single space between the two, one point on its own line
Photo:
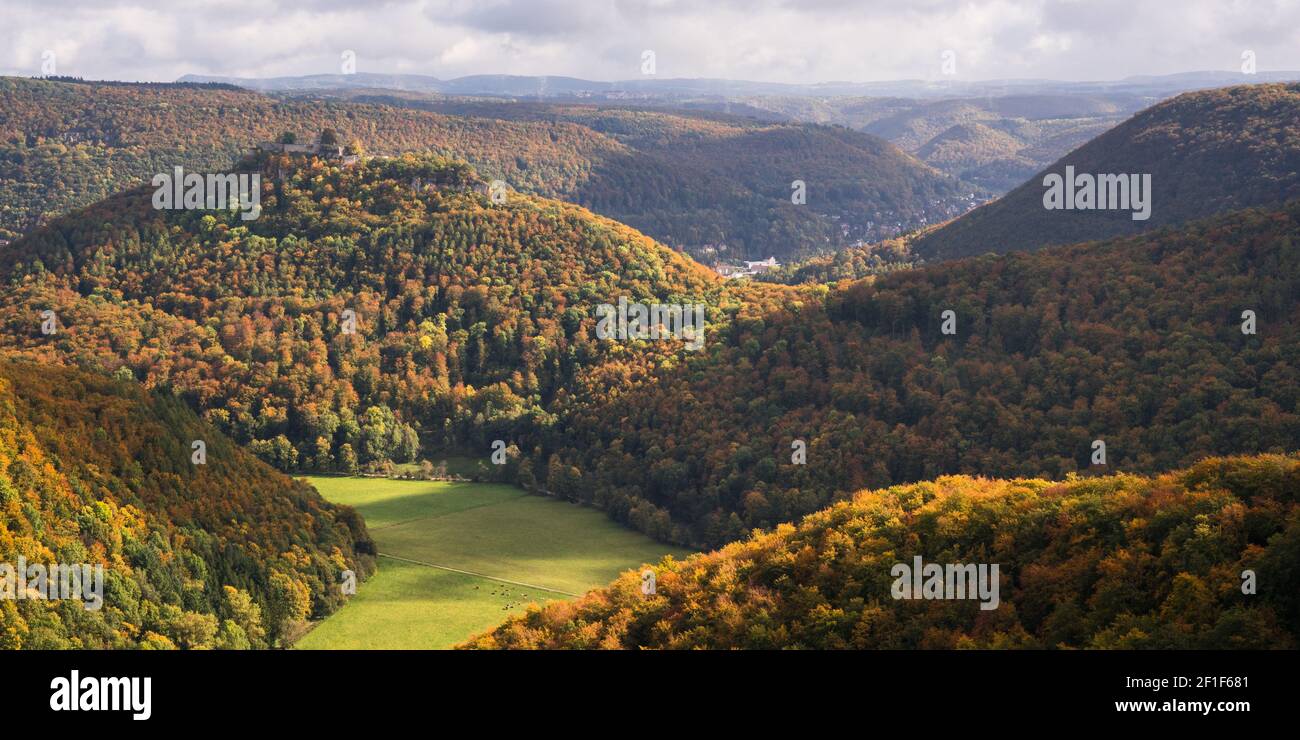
x=991 y=134
x=991 y=141
x=691 y=180
x=551 y=86
x=1205 y=152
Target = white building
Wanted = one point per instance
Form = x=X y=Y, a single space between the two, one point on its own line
x=750 y=268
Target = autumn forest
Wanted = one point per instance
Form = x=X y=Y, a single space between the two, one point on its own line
x=1107 y=409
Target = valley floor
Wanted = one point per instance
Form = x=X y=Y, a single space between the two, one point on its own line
x=457 y=558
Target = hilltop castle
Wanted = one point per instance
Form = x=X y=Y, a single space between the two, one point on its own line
x=326 y=146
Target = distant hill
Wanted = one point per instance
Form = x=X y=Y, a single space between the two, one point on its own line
x=1019 y=135
x=228 y=554
x=1114 y=562
x=717 y=178
x=996 y=143
x=1206 y=152
x=692 y=180
x=1047 y=118
x=648 y=87
x=65 y=145
x=992 y=142
x=913 y=127
x=980 y=154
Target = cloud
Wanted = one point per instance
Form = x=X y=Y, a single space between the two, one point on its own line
x=770 y=40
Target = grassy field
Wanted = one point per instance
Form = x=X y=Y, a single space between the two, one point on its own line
x=547 y=549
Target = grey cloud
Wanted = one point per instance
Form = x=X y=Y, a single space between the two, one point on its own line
x=768 y=40
x=543 y=18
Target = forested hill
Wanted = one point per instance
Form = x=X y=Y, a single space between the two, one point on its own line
x=470 y=318
x=475 y=322
x=226 y=554
x=1206 y=152
x=1121 y=561
x=1137 y=342
x=691 y=181
x=65 y=145
x=698 y=179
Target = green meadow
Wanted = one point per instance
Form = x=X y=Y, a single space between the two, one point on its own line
x=458 y=558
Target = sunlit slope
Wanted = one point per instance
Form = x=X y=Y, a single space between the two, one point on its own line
x=1203 y=558
x=223 y=554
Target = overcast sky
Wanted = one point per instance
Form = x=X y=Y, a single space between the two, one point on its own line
x=767 y=40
